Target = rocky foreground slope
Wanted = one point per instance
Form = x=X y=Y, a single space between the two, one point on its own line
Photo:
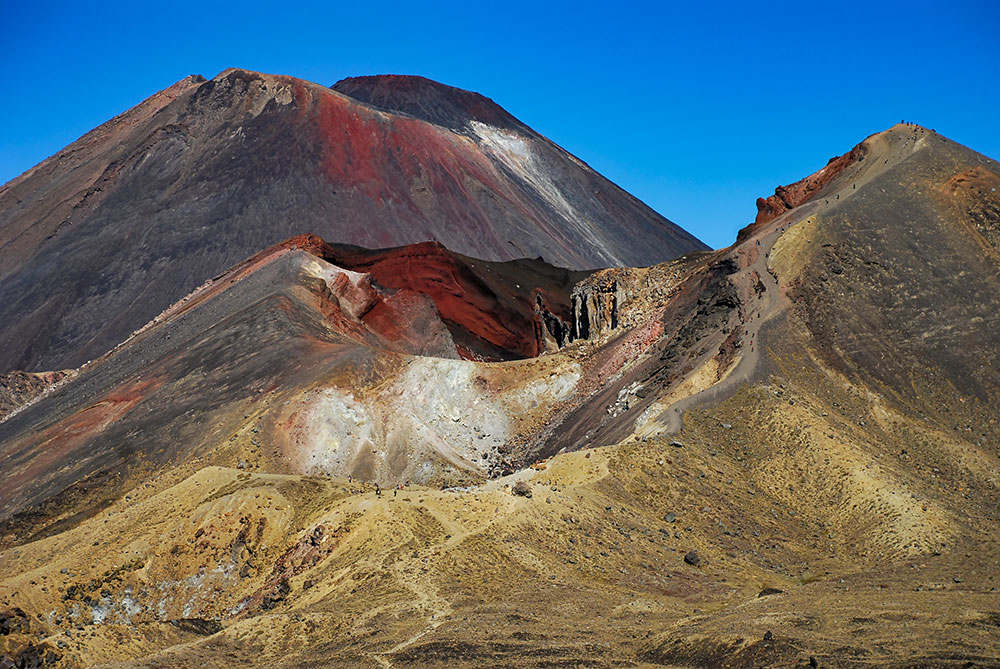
x=98 y=239
x=783 y=453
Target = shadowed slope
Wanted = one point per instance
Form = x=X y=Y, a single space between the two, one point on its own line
x=428 y=100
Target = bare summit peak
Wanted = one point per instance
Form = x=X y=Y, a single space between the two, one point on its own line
x=427 y=100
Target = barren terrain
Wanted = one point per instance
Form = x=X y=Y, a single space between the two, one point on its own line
x=781 y=453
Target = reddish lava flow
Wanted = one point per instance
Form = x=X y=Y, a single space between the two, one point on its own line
x=384 y=156
x=62 y=441
x=480 y=303
x=492 y=309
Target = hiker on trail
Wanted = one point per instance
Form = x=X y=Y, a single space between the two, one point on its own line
x=378 y=491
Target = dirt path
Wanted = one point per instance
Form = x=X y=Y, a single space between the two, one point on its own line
x=768 y=305
x=427 y=598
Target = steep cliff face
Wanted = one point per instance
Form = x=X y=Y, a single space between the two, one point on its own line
x=595 y=307
x=101 y=237
x=612 y=300
x=493 y=310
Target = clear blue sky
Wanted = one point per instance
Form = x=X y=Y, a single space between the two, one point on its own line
x=697 y=109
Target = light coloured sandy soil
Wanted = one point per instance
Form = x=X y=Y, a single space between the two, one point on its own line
x=875 y=562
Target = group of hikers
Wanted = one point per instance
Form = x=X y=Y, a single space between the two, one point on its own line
x=378 y=488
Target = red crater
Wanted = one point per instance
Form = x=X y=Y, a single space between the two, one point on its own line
x=494 y=311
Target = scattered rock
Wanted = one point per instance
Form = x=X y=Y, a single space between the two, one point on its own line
x=676 y=444
x=522 y=489
x=692 y=559
x=769 y=591
x=768 y=636
x=275 y=597
x=670 y=517
x=32 y=657
x=13 y=621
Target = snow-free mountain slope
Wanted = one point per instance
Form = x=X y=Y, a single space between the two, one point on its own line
x=785 y=453
x=104 y=235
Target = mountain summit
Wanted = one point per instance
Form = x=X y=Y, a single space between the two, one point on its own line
x=104 y=235
x=427 y=100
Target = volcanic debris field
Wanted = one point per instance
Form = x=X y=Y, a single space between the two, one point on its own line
x=319 y=452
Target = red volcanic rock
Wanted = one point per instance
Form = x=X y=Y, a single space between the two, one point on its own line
x=974 y=181
x=791 y=196
x=314 y=244
x=352 y=303
x=494 y=311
